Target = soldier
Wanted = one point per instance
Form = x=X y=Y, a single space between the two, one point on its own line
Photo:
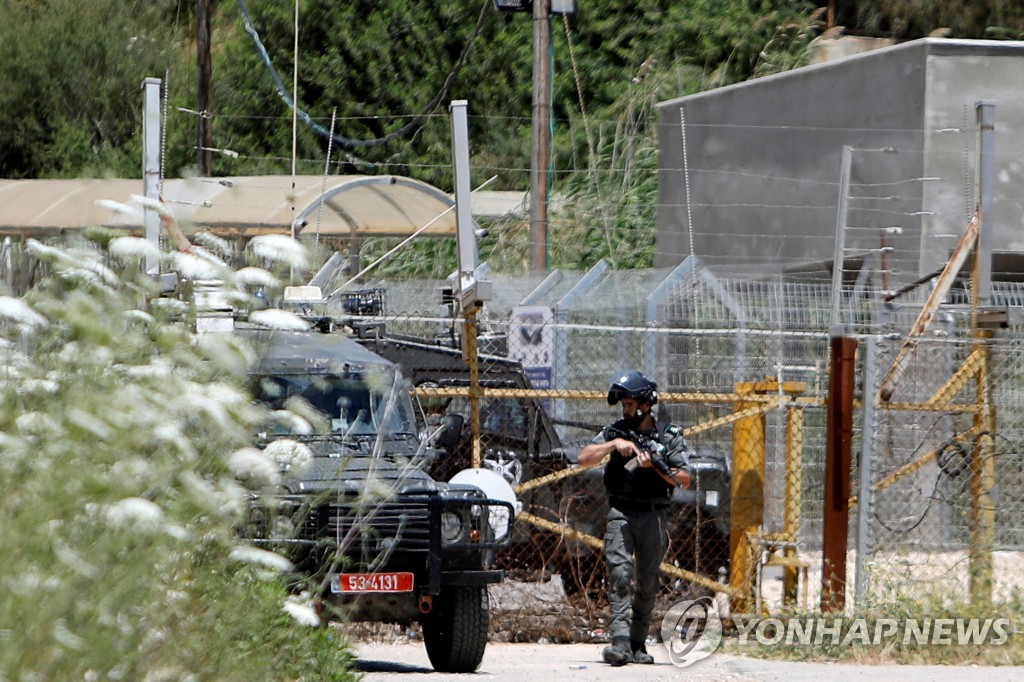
x=639 y=483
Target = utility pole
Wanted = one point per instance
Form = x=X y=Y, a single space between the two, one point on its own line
x=204 y=86
x=541 y=159
x=539 y=172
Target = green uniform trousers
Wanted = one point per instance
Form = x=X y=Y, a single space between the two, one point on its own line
x=634 y=543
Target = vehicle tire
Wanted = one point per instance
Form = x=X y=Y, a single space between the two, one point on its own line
x=455 y=632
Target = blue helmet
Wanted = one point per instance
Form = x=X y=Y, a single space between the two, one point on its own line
x=634 y=386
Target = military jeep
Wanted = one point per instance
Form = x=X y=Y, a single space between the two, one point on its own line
x=365 y=525
x=522 y=441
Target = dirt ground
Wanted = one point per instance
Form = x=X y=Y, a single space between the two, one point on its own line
x=528 y=619
x=505 y=662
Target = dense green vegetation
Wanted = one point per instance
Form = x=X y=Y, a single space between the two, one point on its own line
x=383 y=73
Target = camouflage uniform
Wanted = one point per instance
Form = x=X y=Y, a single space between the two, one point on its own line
x=636 y=537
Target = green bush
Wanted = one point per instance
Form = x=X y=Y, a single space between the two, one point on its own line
x=118 y=513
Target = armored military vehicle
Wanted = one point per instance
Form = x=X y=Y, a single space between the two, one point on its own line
x=521 y=441
x=357 y=512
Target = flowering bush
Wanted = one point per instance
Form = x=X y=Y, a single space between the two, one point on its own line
x=124 y=449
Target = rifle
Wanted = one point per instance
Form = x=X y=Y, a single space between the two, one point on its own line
x=654 y=448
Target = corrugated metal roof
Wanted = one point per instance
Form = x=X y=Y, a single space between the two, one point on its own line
x=353 y=205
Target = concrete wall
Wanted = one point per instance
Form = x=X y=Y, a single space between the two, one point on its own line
x=763 y=158
x=959 y=74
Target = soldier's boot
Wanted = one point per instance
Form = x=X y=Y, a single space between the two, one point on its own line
x=618 y=653
x=640 y=654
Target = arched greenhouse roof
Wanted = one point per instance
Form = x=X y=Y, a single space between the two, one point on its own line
x=338 y=206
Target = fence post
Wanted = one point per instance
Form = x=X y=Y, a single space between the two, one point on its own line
x=836 y=514
x=794 y=486
x=867 y=448
x=747 y=518
x=840 y=243
x=151 y=164
x=983 y=478
x=983 y=473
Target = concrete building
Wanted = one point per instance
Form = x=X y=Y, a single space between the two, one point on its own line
x=749 y=174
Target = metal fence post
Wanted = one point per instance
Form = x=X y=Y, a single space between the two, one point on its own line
x=867 y=447
x=837 y=259
x=983 y=469
x=836 y=512
x=151 y=167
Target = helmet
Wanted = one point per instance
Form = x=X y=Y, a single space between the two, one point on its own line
x=633 y=385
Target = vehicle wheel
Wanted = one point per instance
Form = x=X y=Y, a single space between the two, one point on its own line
x=455 y=632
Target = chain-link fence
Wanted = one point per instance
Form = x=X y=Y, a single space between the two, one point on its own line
x=746 y=389
x=742 y=366
x=945 y=504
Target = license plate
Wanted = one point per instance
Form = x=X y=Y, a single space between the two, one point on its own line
x=371 y=582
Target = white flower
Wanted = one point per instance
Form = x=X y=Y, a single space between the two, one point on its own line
x=301 y=609
x=206 y=254
x=290 y=454
x=279 y=247
x=171 y=306
x=194 y=403
x=224 y=394
x=213 y=242
x=37 y=423
x=178 y=532
x=279 y=319
x=18 y=311
x=292 y=422
x=260 y=557
x=63 y=635
x=133 y=214
x=139 y=316
x=135 y=512
x=160 y=207
x=195 y=267
x=160 y=368
x=252 y=464
x=89 y=422
x=126 y=248
x=256 y=277
x=45 y=252
x=40 y=386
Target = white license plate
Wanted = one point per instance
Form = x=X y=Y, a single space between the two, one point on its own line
x=371 y=582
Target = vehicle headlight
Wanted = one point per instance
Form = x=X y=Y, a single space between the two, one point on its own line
x=451 y=526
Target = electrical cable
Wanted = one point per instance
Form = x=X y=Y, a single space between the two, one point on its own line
x=414 y=124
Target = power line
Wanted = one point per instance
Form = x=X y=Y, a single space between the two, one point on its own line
x=347 y=141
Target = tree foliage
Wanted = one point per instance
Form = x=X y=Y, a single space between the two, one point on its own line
x=908 y=19
x=381 y=75
x=69 y=96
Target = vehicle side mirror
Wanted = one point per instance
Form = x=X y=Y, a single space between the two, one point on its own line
x=450 y=432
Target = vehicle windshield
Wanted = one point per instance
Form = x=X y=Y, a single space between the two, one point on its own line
x=504 y=417
x=353 y=405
